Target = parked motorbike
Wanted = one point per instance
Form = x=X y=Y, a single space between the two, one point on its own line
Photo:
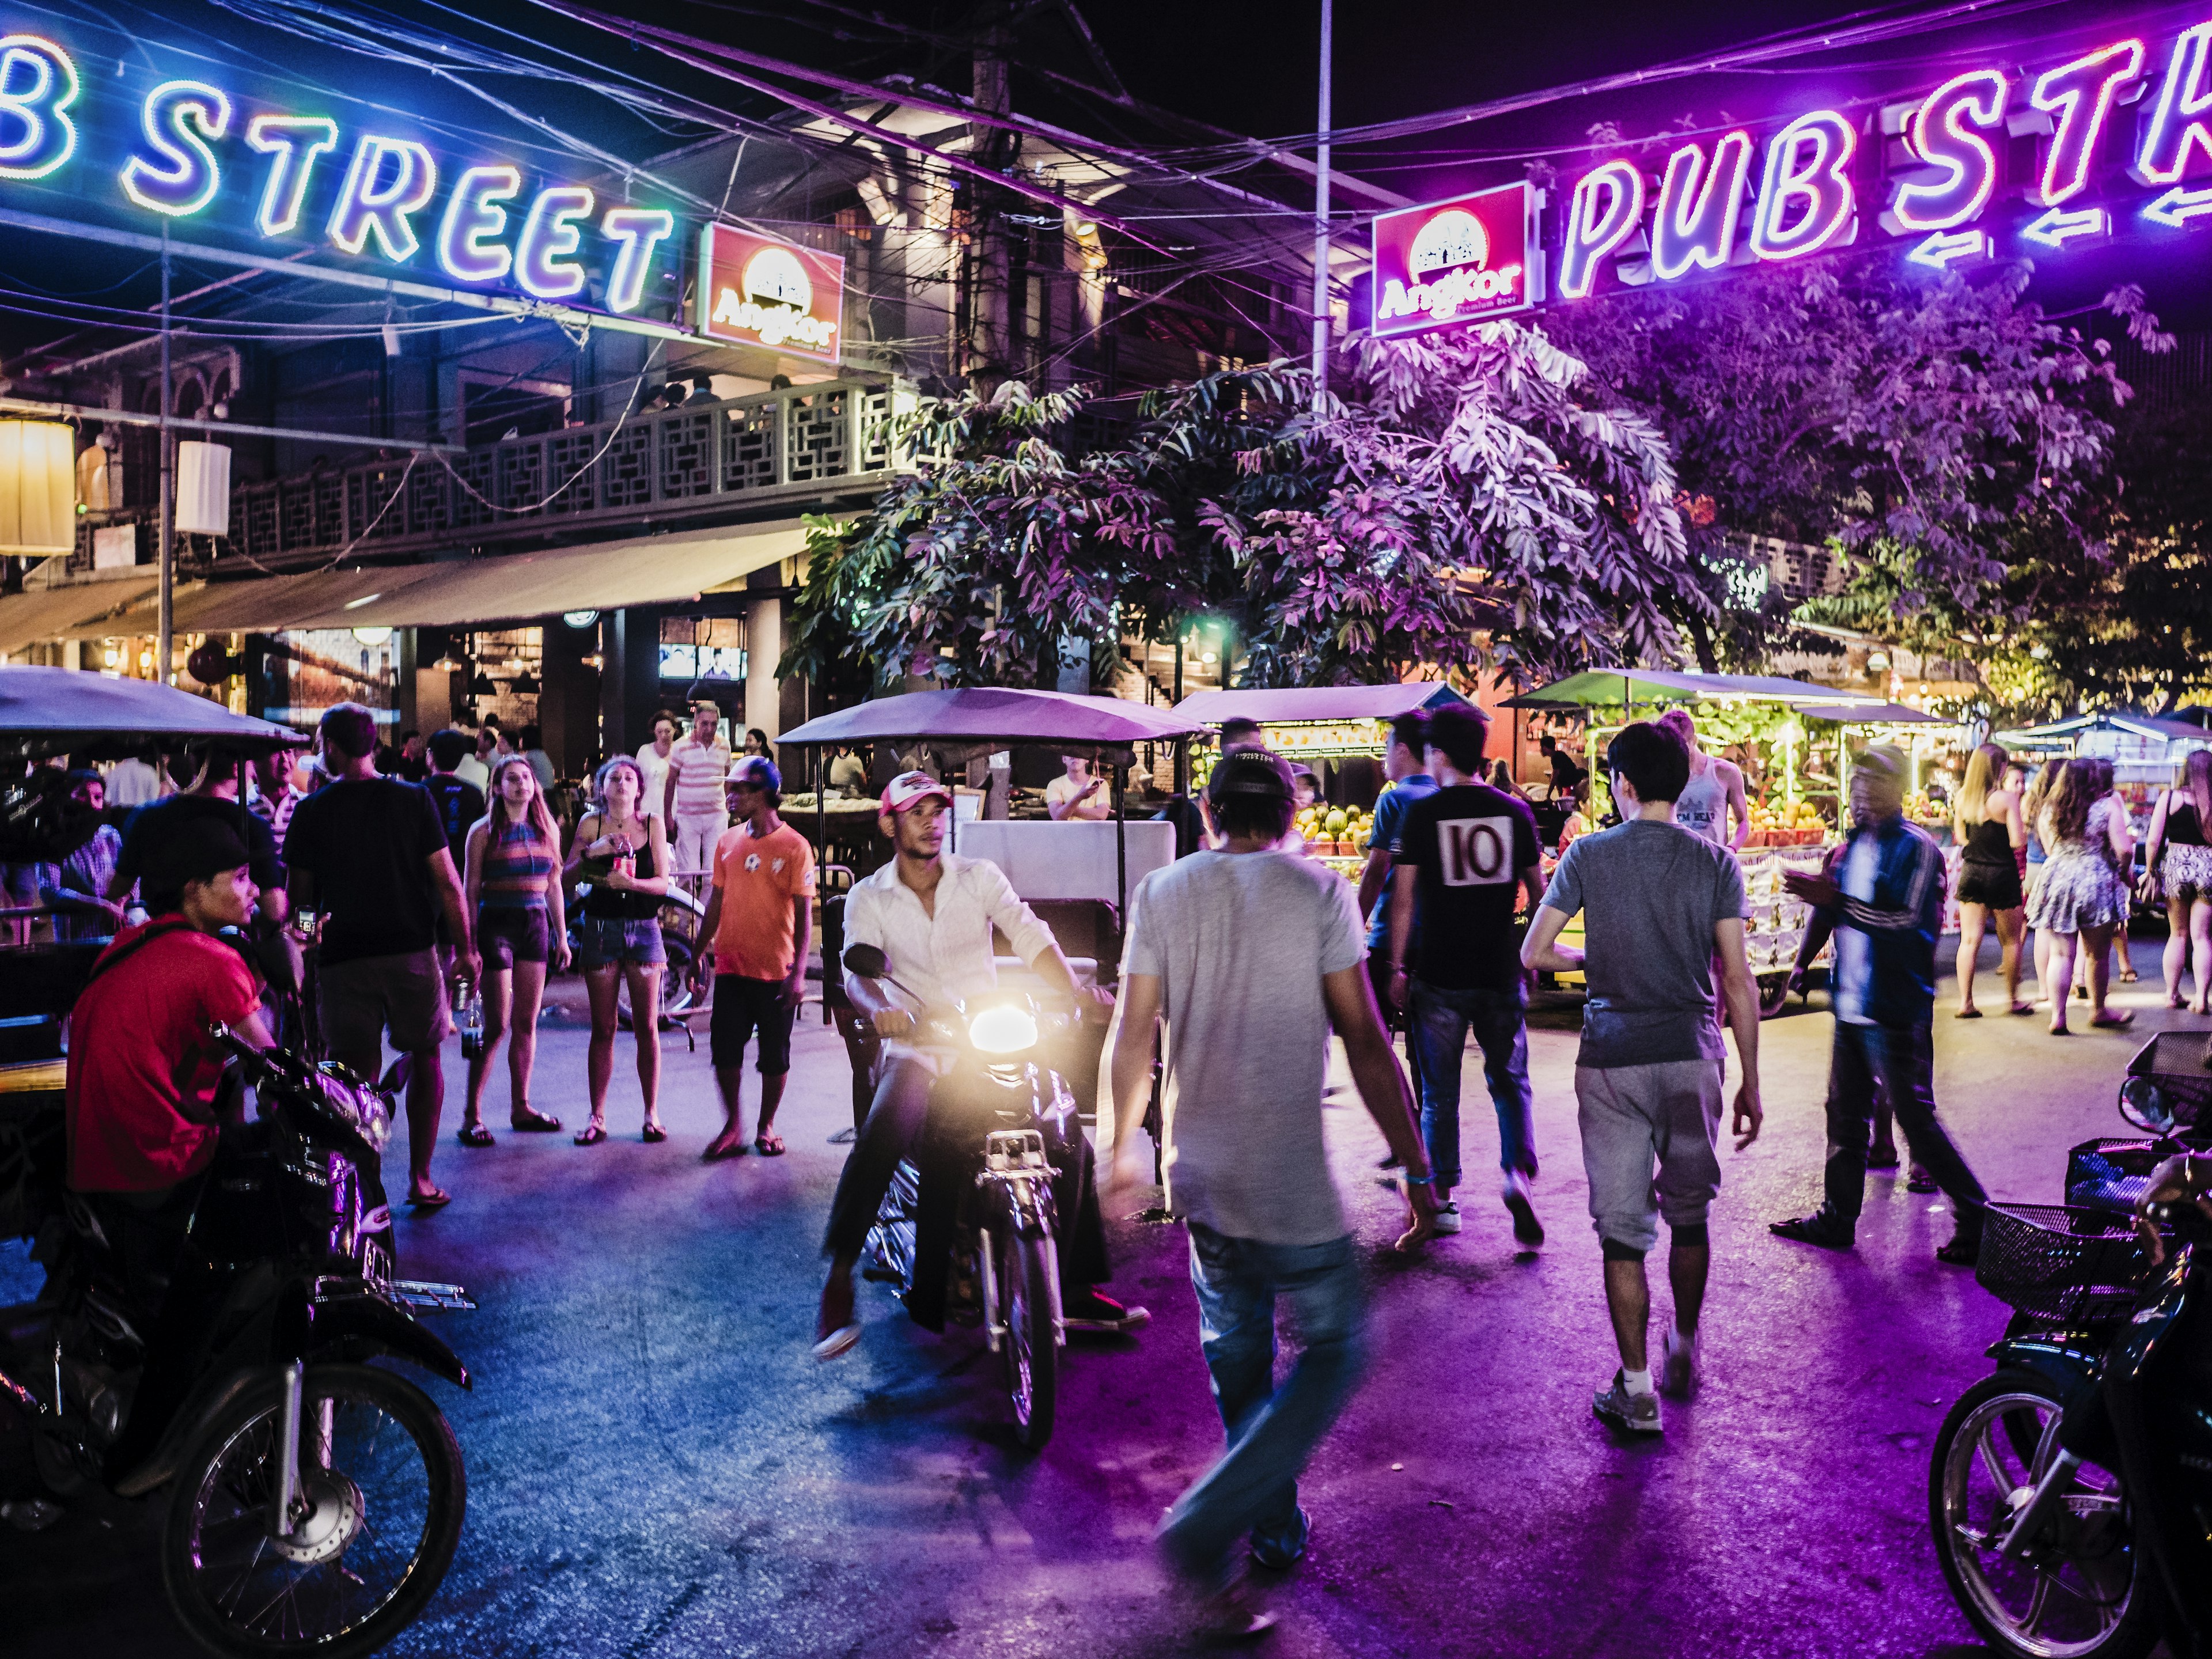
x=2068 y=1492
x=1004 y=1264
x=314 y=1500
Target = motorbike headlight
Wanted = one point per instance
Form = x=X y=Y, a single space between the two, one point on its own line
x=1004 y=1029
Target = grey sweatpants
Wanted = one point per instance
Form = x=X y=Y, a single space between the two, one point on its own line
x=1638 y=1119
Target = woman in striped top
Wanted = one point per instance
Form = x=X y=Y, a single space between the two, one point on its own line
x=514 y=879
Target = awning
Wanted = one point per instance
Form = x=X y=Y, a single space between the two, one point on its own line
x=1611 y=687
x=1874 y=713
x=508 y=587
x=47 y=711
x=995 y=716
x=1317 y=703
x=52 y=613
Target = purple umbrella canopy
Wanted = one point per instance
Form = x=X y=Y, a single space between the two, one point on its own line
x=996 y=717
x=50 y=711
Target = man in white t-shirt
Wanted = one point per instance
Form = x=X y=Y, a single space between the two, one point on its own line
x=1077 y=794
x=652 y=760
x=692 y=799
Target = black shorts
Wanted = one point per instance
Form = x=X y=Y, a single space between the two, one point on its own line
x=1997 y=885
x=506 y=935
x=743 y=1006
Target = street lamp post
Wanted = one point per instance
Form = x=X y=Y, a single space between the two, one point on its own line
x=1320 y=220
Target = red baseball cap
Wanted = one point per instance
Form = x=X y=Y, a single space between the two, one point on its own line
x=911 y=789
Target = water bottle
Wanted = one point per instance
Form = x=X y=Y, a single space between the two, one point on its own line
x=472 y=1024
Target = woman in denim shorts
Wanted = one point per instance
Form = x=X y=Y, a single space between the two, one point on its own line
x=624 y=855
x=514 y=879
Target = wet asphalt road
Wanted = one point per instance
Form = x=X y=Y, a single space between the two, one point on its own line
x=657 y=1468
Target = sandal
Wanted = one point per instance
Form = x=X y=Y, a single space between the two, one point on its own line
x=528 y=1122
x=768 y=1145
x=2114 y=1021
x=2023 y=1007
x=475 y=1135
x=436 y=1199
x=654 y=1134
x=1967 y=1013
x=2129 y=977
x=717 y=1154
x=591 y=1134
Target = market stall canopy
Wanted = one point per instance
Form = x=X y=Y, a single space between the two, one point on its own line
x=2063 y=734
x=1317 y=703
x=54 y=711
x=1608 y=687
x=1873 y=713
x=50 y=613
x=988 y=717
x=604 y=576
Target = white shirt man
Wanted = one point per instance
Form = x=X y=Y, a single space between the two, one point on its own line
x=652 y=764
x=1077 y=794
x=692 y=797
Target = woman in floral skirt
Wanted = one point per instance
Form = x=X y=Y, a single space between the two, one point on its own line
x=2080 y=898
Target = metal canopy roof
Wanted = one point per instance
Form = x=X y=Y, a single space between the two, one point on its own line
x=1317 y=703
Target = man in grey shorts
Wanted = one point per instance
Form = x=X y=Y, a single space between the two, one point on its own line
x=1659 y=905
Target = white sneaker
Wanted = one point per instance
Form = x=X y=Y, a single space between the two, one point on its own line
x=1447 y=1218
x=1526 y=1228
x=1678 y=1373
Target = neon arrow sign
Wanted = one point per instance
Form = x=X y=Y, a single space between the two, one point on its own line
x=2177 y=207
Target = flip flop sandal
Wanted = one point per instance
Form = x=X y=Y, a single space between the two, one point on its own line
x=654 y=1134
x=591 y=1134
x=2023 y=1007
x=2129 y=977
x=475 y=1135
x=721 y=1154
x=769 y=1145
x=1966 y=1013
x=837 y=1342
x=436 y=1199
x=529 y=1122
x=2112 y=1022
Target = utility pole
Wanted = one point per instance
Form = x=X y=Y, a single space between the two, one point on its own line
x=1321 y=220
x=164 y=647
x=991 y=299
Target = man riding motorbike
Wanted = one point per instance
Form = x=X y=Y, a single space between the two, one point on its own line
x=931 y=914
x=142 y=1119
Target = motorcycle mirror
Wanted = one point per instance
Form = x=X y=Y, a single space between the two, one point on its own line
x=865 y=961
x=2143 y=1104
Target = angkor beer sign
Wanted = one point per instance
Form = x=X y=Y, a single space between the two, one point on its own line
x=248 y=164
x=1455 y=261
x=2038 y=159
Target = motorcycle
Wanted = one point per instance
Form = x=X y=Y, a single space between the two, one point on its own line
x=314 y=1500
x=2068 y=1491
x=1000 y=1266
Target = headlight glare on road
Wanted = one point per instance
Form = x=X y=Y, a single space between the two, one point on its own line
x=1004 y=1029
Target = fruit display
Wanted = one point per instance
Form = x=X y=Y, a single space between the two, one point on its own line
x=1786 y=824
x=1923 y=808
x=1335 y=831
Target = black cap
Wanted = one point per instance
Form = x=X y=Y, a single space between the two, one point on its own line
x=1256 y=773
x=195 y=850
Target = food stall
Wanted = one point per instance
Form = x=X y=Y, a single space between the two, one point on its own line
x=1762 y=719
x=2146 y=750
x=1323 y=728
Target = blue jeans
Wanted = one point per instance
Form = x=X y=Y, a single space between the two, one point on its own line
x=1272 y=1432
x=1441 y=1019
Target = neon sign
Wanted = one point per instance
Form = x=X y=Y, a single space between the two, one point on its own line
x=473 y=214
x=753 y=291
x=1455 y=261
x=38 y=82
x=1946 y=132
x=1699 y=206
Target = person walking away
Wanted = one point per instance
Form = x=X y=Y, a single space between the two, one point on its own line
x=758 y=927
x=477 y=769
x=414 y=762
x=1660 y=905
x=1405 y=763
x=135 y=779
x=459 y=805
x=1076 y=793
x=213 y=798
x=541 y=763
x=653 y=766
x=2179 y=863
x=2032 y=803
x=2079 y=899
x=1469 y=851
x=1986 y=825
x=1253 y=956
x=933 y=914
x=1886 y=906
x=622 y=853
x=1715 y=789
x=692 y=800
x=2123 y=858
x=376 y=851
x=514 y=890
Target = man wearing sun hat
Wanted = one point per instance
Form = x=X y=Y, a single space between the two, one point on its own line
x=932 y=914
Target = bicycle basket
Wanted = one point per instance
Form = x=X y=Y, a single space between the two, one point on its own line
x=2178 y=1099
x=2060 y=1264
x=2110 y=1176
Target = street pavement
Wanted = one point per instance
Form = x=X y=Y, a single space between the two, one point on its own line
x=658 y=1468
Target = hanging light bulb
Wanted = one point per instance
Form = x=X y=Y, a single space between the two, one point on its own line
x=448 y=664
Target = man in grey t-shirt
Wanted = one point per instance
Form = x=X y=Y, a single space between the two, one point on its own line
x=1251 y=955
x=1660 y=904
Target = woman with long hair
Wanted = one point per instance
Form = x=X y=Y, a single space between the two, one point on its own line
x=1986 y=823
x=623 y=852
x=2124 y=866
x=513 y=882
x=2031 y=817
x=2178 y=858
x=2081 y=897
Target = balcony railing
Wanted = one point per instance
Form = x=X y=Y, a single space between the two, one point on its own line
x=800 y=443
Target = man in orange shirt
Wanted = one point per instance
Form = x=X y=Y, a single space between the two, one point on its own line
x=759 y=923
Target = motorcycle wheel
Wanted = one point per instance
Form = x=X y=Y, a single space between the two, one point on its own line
x=1032 y=1355
x=380 y=1463
x=2082 y=1591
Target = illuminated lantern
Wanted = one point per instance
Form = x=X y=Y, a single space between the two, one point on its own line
x=37 y=488
x=203 y=489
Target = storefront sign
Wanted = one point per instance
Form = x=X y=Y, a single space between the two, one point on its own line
x=193 y=152
x=1456 y=261
x=753 y=291
x=1997 y=159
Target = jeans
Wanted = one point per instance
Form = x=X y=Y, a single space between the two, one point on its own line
x=1272 y=1432
x=1899 y=1060
x=1440 y=1020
